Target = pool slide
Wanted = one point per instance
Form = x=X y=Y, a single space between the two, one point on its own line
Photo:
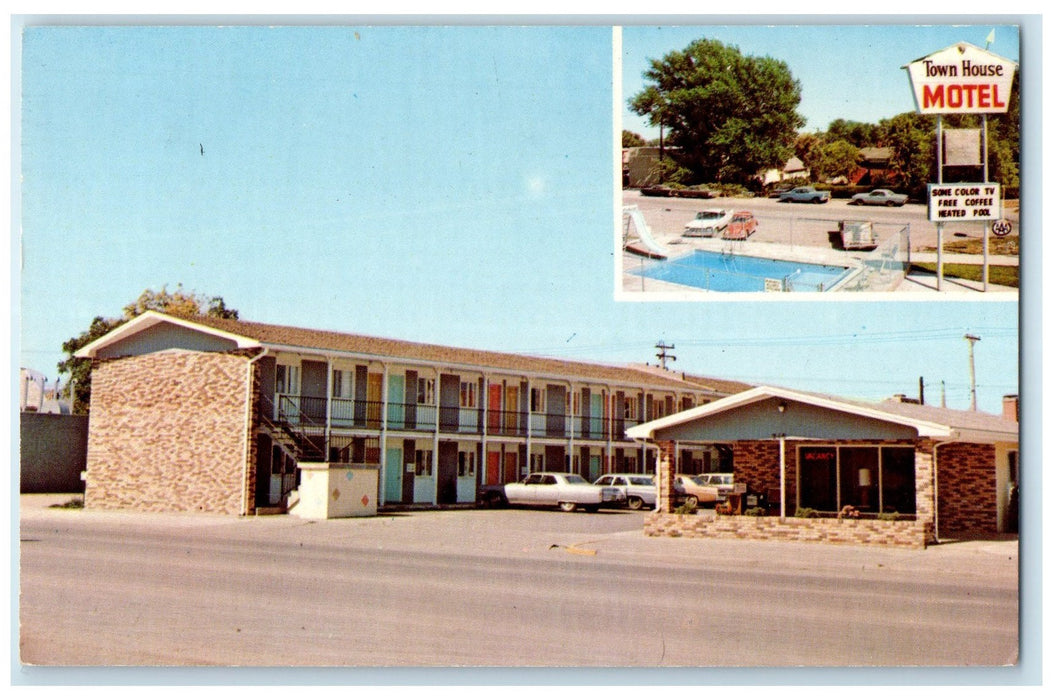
x=644 y=231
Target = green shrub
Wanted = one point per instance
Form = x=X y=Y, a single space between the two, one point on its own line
x=805 y=513
x=888 y=515
x=756 y=512
x=72 y=503
x=686 y=509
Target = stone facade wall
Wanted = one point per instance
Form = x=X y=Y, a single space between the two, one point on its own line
x=169 y=431
x=757 y=464
x=900 y=533
x=967 y=489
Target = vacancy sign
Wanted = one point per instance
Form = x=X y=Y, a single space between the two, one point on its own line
x=961 y=79
x=979 y=201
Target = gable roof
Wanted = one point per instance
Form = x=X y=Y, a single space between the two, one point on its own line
x=252 y=335
x=928 y=421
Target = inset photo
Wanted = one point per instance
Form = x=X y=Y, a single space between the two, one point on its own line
x=818 y=160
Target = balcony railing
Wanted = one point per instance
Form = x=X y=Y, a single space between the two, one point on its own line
x=346 y=413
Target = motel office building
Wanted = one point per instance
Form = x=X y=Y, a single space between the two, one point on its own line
x=217 y=415
x=891 y=472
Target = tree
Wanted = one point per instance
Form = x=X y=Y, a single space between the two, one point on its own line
x=839 y=159
x=859 y=134
x=912 y=140
x=177 y=303
x=730 y=116
x=631 y=139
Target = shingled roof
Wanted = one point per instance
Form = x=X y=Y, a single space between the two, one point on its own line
x=326 y=341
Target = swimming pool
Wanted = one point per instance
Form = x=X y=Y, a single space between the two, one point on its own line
x=721 y=272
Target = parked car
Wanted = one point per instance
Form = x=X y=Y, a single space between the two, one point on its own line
x=639 y=489
x=568 y=491
x=743 y=225
x=805 y=194
x=708 y=222
x=692 y=489
x=724 y=481
x=886 y=198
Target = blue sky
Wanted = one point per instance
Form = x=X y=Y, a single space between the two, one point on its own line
x=851 y=72
x=449 y=185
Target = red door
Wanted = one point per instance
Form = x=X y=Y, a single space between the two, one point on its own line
x=511 y=467
x=493 y=467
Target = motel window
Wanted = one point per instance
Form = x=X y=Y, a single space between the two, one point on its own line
x=870 y=478
x=287 y=379
x=657 y=408
x=343 y=383
x=897 y=479
x=537 y=400
x=466 y=463
x=423 y=463
x=426 y=391
x=468 y=395
x=629 y=409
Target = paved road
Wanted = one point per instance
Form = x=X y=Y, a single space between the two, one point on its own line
x=785 y=222
x=493 y=588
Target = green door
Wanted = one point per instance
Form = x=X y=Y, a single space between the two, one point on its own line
x=594 y=467
x=396 y=401
x=393 y=475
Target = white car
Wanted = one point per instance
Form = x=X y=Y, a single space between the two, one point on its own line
x=709 y=223
x=568 y=491
x=639 y=489
x=725 y=482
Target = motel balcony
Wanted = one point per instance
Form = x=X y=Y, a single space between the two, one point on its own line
x=310 y=413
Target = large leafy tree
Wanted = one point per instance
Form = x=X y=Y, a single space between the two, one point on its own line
x=859 y=134
x=176 y=303
x=729 y=116
x=838 y=159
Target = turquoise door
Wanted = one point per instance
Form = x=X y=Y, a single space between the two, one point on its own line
x=596 y=416
x=396 y=401
x=393 y=475
x=594 y=467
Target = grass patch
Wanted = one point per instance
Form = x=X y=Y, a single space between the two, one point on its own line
x=72 y=503
x=1009 y=245
x=1002 y=275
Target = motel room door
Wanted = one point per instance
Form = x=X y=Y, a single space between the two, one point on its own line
x=393 y=475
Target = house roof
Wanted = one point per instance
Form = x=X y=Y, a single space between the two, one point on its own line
x=875 y=154
x=252 y=335
x=928 y=421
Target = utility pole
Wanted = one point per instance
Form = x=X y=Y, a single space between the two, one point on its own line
x=972 y=371
x=663 y=355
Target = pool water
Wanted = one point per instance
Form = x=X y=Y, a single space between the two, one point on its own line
x=719 y=272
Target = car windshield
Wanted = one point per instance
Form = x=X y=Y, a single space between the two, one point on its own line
x=700 y=480
x=575 y=479
x=710 y=215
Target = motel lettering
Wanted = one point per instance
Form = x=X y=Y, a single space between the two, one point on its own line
x=961 y=96
x=962 y=79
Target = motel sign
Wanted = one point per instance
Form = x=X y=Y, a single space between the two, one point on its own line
x=962 y=79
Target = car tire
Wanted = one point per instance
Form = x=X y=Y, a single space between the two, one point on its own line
x=591 y=509
x=691 y=501
x=890 y=204
x=634 y=503
x=567 y=507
